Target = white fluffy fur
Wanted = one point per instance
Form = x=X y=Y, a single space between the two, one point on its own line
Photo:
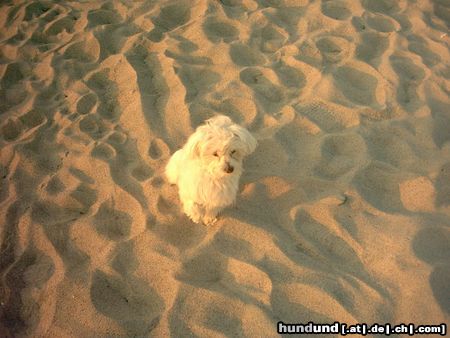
x=201 y=169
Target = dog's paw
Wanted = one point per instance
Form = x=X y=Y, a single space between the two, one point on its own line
x=195 y=218
x=209 y=220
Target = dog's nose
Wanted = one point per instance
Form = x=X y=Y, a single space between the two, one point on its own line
x=229 y=169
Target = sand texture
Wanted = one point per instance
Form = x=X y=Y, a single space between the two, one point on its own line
x=343 y=212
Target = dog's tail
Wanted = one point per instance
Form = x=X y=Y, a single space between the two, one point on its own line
x=172 y=168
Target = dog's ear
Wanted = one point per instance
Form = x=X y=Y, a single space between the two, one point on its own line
x=192 y=146
x=247 y=139
x=219 y=121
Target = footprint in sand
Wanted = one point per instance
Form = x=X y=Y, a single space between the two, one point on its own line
x=100 y=83
x=348 y=275
x=85 y=195
x=32 y=119
x=378 y=184
x=65 y=24
x=52 y=14
x=270 y=96
x=232 y=246
x=286 y=18
x=372 y=48
x=443 y=186
x=55 y=186
x=175 y=229
x=357 y=86
x=269 y=38
x=441 y=123
x=441 y=9
x=157 y=182
x=45 y=151
x=142 y=172
x=389 y=145
x=203 y=268
x=13 y=15
x=310 y=54
x=186 y=45
x=103 y=16
x=113 y=224
x=165 y=207
x=325 y=50
x=224 y=322
x=128 y=300
x=329 y=118
x=340 y=154
x=42 y=41
x=419 y=46
x=219 y=30
x=153 y=87
x=189 y=59
x=26 y=280
x=334 y=49
x=384 y=6
x=124 y=259
x=57 y=222
x=15 y=73
x=223 y=316
x=337 y=10
x=289 y=77
x=381 y=23
x=103 y=152
x=126 y=165
x=431 y=244
x=93 y=126
x=245 y=56
x=86 y=103
x=169 y=18
x=344 y=215
x=410 y=78
x=198 y=81
x=107 y=91
x=158 y=149
x=323 y=241
x=439 y=284
x=11 y=130
x=117 y=138
x=359 y=23
x=13 y=91
x=4 y=183
x=234 y=9
x=36 y=9
x=82 y=52
x=112 y=38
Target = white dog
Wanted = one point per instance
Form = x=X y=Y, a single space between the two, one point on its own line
x=208 y=167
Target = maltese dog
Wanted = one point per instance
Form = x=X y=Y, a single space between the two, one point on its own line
x=208 y=167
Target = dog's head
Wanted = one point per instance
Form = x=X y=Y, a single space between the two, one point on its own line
x=220 y=145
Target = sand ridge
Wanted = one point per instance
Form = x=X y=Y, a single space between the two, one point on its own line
x=344 y=209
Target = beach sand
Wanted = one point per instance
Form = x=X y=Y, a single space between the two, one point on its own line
x=343 y=212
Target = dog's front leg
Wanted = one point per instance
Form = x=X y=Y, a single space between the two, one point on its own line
x=193 y=211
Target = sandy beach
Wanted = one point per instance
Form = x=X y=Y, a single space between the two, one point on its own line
x=343 y=211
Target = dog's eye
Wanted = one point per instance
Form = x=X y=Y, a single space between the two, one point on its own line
x=232 y=152
x=216 y=154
